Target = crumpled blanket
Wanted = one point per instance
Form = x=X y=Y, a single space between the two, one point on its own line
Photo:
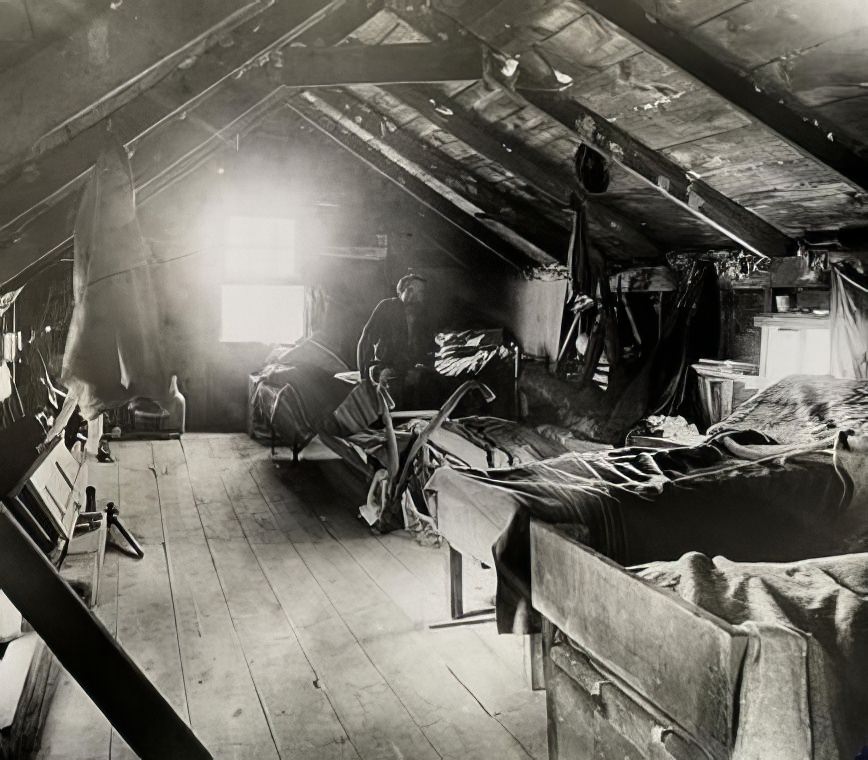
x=805 y=679
x=740 y=494
x=468 y=352
x=296 y=401
x=803 y=409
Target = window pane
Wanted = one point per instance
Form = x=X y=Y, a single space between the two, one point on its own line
x=262 y=313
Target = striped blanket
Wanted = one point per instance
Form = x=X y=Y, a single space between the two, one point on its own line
x=739 y=494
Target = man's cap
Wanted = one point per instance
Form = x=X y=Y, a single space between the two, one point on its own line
x=406 y=280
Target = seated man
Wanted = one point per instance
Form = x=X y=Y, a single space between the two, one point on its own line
x=396 y=349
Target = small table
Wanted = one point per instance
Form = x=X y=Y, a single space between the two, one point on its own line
x=723 y=386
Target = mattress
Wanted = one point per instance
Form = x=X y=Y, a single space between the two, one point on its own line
x=803 y=409
x=805 y=680
x=740 y=495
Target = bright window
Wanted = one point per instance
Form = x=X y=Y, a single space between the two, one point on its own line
x=261 y=300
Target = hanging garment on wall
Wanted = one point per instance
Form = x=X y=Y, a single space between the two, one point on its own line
x=849 y=322
x=660 y=384
x=7 y=299
x=113 y=352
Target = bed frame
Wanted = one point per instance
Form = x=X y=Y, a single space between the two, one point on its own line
x=632 y=670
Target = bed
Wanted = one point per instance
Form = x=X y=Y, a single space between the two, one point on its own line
x=300 y=395
x=731 y=660
x=741 y=493
x=802 y=409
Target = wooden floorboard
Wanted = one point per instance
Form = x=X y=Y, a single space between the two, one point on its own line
x=488 y=666
x=302 y=719
x=273 y=619
x=377 y=723
x=225 y=709
x=146 y=629
x=138 y=500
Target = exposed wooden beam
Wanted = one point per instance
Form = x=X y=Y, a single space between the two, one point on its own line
x=553 y=181
x=695 y=196
x=380 y=64
x=498 y=239
x=70 y=84
x=221 y=78
x=737 y=223
x=52 y=232
x=165 y=149
x=419 y=143
x=797 y=125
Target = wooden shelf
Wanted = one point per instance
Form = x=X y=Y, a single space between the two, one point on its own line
x=792 y=320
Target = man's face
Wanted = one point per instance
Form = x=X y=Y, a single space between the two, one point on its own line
x=414 y=292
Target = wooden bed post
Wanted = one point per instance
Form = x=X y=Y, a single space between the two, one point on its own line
x=456 y=584
x=537 y=661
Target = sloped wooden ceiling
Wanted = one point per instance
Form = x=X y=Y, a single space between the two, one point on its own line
x=790 y=45
x=494 y=157
x=518 y=161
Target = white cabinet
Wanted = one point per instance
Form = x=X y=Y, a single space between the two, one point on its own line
x=794 y=344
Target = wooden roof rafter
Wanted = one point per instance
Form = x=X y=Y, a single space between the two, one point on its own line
x=461 y=213
x=497 y=194
x=342 y=65
x=233 y=91
x=802 y=128
x=655 y=170
x=220 y=72
x=553 y=181
x=554 y=184
x=739 y=224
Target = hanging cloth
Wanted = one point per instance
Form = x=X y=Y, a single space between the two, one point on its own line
x=849 y=322
x=587 y=268
x=113 y=351
x=592 y=173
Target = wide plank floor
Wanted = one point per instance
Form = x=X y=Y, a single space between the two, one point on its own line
x=279 y=626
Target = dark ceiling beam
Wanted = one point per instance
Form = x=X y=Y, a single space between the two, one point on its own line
x=737 y=223
x=163 y=153
x=796 y=125
x=740 y=225
x=380 y=64
x=222 y=73
x=498 y=239
x=89 y=90
x=541 y=224
x=40 y=243
x=555 y=182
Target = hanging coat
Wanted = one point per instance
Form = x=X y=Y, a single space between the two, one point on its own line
x=113 y=352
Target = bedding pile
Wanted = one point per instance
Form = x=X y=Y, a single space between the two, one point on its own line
x=805 y=679
x=803 y=409
x=468 y=352
x=740 y=494
x=295 y=392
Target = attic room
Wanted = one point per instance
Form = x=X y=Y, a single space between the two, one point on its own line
x=429 y=379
